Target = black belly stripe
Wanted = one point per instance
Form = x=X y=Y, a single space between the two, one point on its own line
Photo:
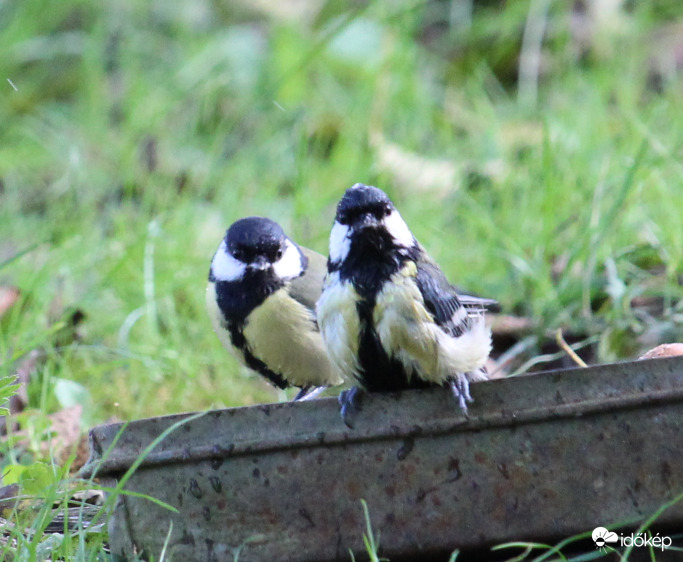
x=378 y=371
x=236 y=300
x=370 y=264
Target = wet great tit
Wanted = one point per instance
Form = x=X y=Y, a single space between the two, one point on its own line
x=388 y=315
x=261 y=299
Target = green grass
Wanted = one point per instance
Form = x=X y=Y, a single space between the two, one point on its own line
x=138 y=131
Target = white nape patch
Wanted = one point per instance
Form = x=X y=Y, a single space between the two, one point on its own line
x=289 y=266
x=399 y=230
x=340 y=244
x=225 y=267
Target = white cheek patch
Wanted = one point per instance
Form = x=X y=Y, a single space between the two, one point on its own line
x=399 y=230
x=226 y=268
x=289 y=266
x=340 y=244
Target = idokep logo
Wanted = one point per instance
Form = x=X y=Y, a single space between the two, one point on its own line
x=603 y=538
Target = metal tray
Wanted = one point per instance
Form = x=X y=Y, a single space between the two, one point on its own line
x=541 y=456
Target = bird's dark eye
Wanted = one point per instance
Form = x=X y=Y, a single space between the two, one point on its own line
x=238 y=254
x=278 y=254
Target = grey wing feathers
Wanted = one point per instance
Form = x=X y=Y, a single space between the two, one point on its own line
x=451 y=310
x=441 y=298
x=307 y=288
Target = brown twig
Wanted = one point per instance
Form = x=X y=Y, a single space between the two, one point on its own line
x=568 y=350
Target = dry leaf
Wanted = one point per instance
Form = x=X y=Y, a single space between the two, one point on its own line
x=291 y=11
x=413 y=171
x=664 y=350
x=68 y=437
x=8 y=296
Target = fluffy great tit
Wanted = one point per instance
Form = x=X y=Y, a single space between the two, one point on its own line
x=388 y=315
x=261 y=299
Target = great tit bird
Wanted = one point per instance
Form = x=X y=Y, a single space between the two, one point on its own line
x=261 y=299
x=388 y=315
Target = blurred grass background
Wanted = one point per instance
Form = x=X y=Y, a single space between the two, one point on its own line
x=534 y=147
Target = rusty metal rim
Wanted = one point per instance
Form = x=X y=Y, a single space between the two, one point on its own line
x=343 y=436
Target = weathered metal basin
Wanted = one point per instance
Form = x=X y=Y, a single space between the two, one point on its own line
x=543 y=456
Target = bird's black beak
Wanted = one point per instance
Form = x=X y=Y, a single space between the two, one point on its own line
x=260 y=263
x=366 y=220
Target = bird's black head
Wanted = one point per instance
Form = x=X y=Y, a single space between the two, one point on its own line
x=368 y=226
x=256 y=241
x=256 y=247
x=363 y=205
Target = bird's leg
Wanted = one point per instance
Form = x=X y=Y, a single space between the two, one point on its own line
x=308 y=393
x=460 y=387
x=349 y=402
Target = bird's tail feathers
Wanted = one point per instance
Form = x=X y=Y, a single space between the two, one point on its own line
x=466 y=353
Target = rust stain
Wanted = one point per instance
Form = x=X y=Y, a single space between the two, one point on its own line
x=408 y=469
x=548 y=494
x=353 y=489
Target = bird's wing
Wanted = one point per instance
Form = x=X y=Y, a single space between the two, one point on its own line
x=441 y=298
x=307 y=288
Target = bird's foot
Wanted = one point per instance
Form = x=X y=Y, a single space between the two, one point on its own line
x=460 y=387
x=349 y=402
x=308 y=393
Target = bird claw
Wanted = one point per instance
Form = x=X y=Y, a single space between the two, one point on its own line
x=308 y=393
x=460 y=387
x=349 y=402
